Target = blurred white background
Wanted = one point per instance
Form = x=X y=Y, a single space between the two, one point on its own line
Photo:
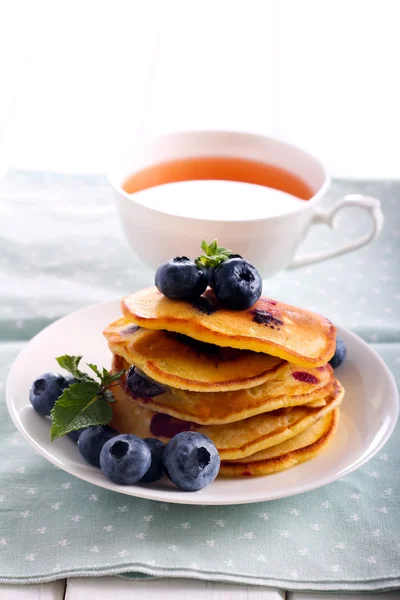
x=80 y=77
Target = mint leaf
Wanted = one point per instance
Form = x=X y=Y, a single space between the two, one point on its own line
x=80 y=405
x=213 y=255
x=106 y=377
x=109 y=378
x=85 y=403
x=204 y=246
x=213 y=248
x=71 y=364
x=95 y=370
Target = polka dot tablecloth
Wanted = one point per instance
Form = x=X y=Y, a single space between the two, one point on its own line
x=61 y=248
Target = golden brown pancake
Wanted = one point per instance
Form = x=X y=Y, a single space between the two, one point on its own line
x=233 y=440
x=184 y=363
x=316 y=403
x=302 y=447
x=290 y=387
x=271 y=327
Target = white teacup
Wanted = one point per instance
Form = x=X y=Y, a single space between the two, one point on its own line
x=269 y=242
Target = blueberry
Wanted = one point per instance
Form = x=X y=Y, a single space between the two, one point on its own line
x=210 y=276
x=141 y=385
x=156 y=469
x=340 y=354
x=181 y=279
x=125 y=459
x=91 y=441
x=45 y=391
x=191 y=461
x=237 y=284
x=74 y=435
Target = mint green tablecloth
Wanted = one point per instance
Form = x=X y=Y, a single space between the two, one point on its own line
x=61 y=248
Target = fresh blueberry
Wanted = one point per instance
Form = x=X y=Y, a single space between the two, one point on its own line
x=45 y=391
x=237 y=284
x=74 y=435
x=340 y=354
x=141 y=385
x=210 y=276
x=191 y=461
x=91 y=441
x=125 y=459
x=70 y=379
x=181 y=279
x=156 y=469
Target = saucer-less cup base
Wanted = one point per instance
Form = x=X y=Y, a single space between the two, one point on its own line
x=270 y=243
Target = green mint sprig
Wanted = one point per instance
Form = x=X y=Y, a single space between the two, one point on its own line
x=213 y=254
x=84 y=403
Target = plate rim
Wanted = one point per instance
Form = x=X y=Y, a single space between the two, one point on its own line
x=150 y=493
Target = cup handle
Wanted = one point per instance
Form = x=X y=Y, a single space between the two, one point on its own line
x=372 y=205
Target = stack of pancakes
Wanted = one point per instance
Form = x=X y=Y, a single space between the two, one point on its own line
x=256 y=382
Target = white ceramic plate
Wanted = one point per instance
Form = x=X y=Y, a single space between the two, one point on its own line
x=368 y=415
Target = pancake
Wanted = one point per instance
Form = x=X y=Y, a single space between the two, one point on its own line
x=184 y=363
x=213 y=408
x=233 y=440
x=294 y=334
x=302 y=447
x=316 y=403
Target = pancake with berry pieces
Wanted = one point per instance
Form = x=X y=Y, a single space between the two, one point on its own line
x=289 y=387
x=232 y=440
x=184 y=363
x=271 y=327
x=300 y=448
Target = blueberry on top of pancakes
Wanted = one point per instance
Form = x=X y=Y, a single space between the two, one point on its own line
x=181 y=279
x=237 y=284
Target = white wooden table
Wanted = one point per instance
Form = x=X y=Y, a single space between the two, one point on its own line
x=106 y=588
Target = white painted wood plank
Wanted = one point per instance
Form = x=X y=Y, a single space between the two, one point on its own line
x=41 y=591
x=104 y=588
x=306 y=596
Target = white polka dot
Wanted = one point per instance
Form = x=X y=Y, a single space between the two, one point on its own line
x=388 y=310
